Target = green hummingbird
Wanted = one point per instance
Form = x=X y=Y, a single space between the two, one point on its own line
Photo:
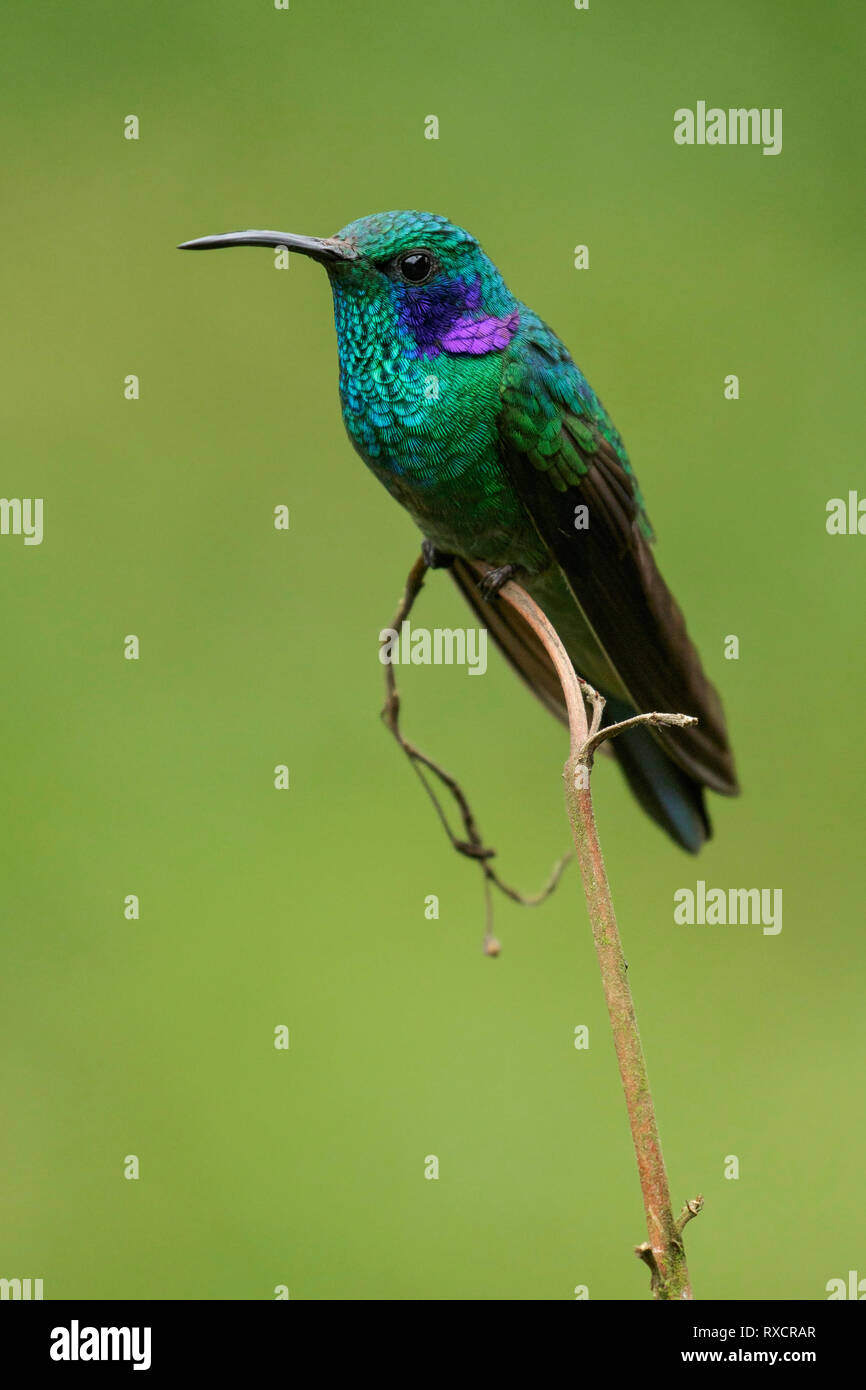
x=471 y=412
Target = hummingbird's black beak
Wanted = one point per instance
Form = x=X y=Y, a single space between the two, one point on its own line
x=319 y=248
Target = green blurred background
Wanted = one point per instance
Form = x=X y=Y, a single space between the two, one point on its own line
x=306 y=908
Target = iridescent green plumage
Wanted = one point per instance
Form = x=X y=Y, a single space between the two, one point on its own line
x=471 y=412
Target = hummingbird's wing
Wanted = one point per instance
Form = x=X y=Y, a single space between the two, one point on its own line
x=668 y=794
x=562 y=451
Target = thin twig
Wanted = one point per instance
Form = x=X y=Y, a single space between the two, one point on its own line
x=472 y=844
x=677 y=721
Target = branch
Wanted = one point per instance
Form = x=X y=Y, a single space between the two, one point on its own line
x=663 y=1251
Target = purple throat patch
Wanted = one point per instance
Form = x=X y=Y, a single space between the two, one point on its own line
x=480 y=335
x=442 y=320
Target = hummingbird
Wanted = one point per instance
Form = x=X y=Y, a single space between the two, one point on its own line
x=472 y=413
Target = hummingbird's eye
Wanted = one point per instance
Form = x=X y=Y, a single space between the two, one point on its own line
x=415 y=267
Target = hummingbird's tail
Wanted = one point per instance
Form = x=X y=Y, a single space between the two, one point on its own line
x=670 y=795
x=667 y=793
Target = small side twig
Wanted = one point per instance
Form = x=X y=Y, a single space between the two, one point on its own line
x=645 y=1252
x=689 y=1212
x=597 y=736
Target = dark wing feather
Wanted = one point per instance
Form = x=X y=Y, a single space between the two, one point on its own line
x=561 y=450
x=515 y=639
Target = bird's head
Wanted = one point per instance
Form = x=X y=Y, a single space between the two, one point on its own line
x=412 y=277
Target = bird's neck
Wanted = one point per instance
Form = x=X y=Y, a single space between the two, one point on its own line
x=414 y=381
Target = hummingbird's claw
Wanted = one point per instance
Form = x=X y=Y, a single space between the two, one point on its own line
x=435 y=559
x=490 y=583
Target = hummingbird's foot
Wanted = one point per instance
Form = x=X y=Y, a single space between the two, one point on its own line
x=490 y=584
x=435 y=559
